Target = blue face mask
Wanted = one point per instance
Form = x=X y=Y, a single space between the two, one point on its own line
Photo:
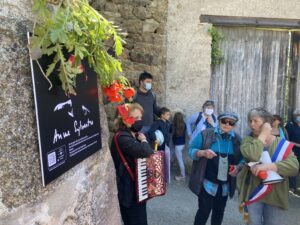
x=298 y=119
x=148 y=86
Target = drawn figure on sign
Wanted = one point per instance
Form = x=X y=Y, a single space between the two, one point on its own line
x=85 y=110
x=68 y=106
x=63 y=105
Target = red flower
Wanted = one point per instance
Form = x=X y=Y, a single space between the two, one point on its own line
x=123 y=110
x=115 y=98
x=71 y=59
x=129 y=120
x=106 y=91
x=129 y=92
x=113 y=89
x=117 y=85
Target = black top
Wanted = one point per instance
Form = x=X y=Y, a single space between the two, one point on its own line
x=148 y=102
x=293 y=131
x=131 y=149
x=178 y=140
x=165 y=128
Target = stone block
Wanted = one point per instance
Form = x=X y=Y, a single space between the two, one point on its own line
x=126 y=11
x=150 y=26
x=144 y=58
x=141 y=13
x=111 y=7
x=133 y=26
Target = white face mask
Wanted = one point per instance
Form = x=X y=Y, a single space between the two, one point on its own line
x=148 y=86
x=209 y=112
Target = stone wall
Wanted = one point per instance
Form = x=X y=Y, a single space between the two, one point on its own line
x=87 y=193
x=145 y=49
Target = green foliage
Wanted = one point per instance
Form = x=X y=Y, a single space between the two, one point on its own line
x=75 y=26
x=216 y=53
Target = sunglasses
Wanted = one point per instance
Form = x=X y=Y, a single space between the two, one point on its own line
x=229 y=122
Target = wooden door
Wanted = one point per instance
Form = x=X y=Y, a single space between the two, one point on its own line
x=253 y=73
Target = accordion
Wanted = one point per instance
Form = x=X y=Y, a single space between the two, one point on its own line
x=150 y=176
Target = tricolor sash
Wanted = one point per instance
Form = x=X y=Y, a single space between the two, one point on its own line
x=282 y=151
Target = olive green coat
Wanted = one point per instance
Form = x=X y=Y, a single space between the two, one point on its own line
x=251 y=149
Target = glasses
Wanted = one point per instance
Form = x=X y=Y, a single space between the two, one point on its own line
x=229 y=122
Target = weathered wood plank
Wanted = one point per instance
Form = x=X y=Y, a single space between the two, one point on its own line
x=294 y=91
x=251 y=21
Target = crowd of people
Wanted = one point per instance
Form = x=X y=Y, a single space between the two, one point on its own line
x=262 y=166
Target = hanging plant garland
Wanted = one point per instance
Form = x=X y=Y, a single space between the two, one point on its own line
x=74 y=26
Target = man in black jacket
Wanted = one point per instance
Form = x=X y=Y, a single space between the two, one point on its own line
x=147 y=99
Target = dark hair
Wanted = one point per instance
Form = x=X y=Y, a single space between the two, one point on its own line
x=162 y=111
x=145 y=75
x=178 y=123
x=277 y=117
x=208 y=103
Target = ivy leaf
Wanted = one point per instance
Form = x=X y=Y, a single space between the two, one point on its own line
x=54 y=35
x=118 y=46
x=77 y=28
x=49 y=51
x=76 y=70
x=50 y=69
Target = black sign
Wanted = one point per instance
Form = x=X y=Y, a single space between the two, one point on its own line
x=68 y=127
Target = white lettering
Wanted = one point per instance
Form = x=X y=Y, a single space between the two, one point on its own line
x=59 y=136
x=78 y=127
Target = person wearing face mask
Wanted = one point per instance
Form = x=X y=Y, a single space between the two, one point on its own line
x=129 y=144
x=265 y=203
x=146 y=98
x=293 y=130
x=201 y=120
x=216 y=162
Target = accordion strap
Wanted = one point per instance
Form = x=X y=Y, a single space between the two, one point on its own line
x=122 y=156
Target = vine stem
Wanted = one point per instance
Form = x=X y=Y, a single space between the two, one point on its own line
x=62 y=63
x=44 y=75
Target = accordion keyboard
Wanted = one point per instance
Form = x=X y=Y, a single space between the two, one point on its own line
x=142 y=179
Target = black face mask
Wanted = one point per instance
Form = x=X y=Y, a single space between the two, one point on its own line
x=137 y=126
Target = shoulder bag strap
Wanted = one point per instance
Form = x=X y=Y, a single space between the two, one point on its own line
x=197 y=121
x=122 y=156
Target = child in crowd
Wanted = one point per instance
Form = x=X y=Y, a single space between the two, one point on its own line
x=164 y=126
x=178 y=138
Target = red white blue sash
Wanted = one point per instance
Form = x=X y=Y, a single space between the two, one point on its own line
x=282 y=151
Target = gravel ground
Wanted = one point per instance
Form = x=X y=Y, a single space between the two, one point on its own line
x=179 y=205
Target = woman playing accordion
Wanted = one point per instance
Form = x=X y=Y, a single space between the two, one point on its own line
x=126 y=147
